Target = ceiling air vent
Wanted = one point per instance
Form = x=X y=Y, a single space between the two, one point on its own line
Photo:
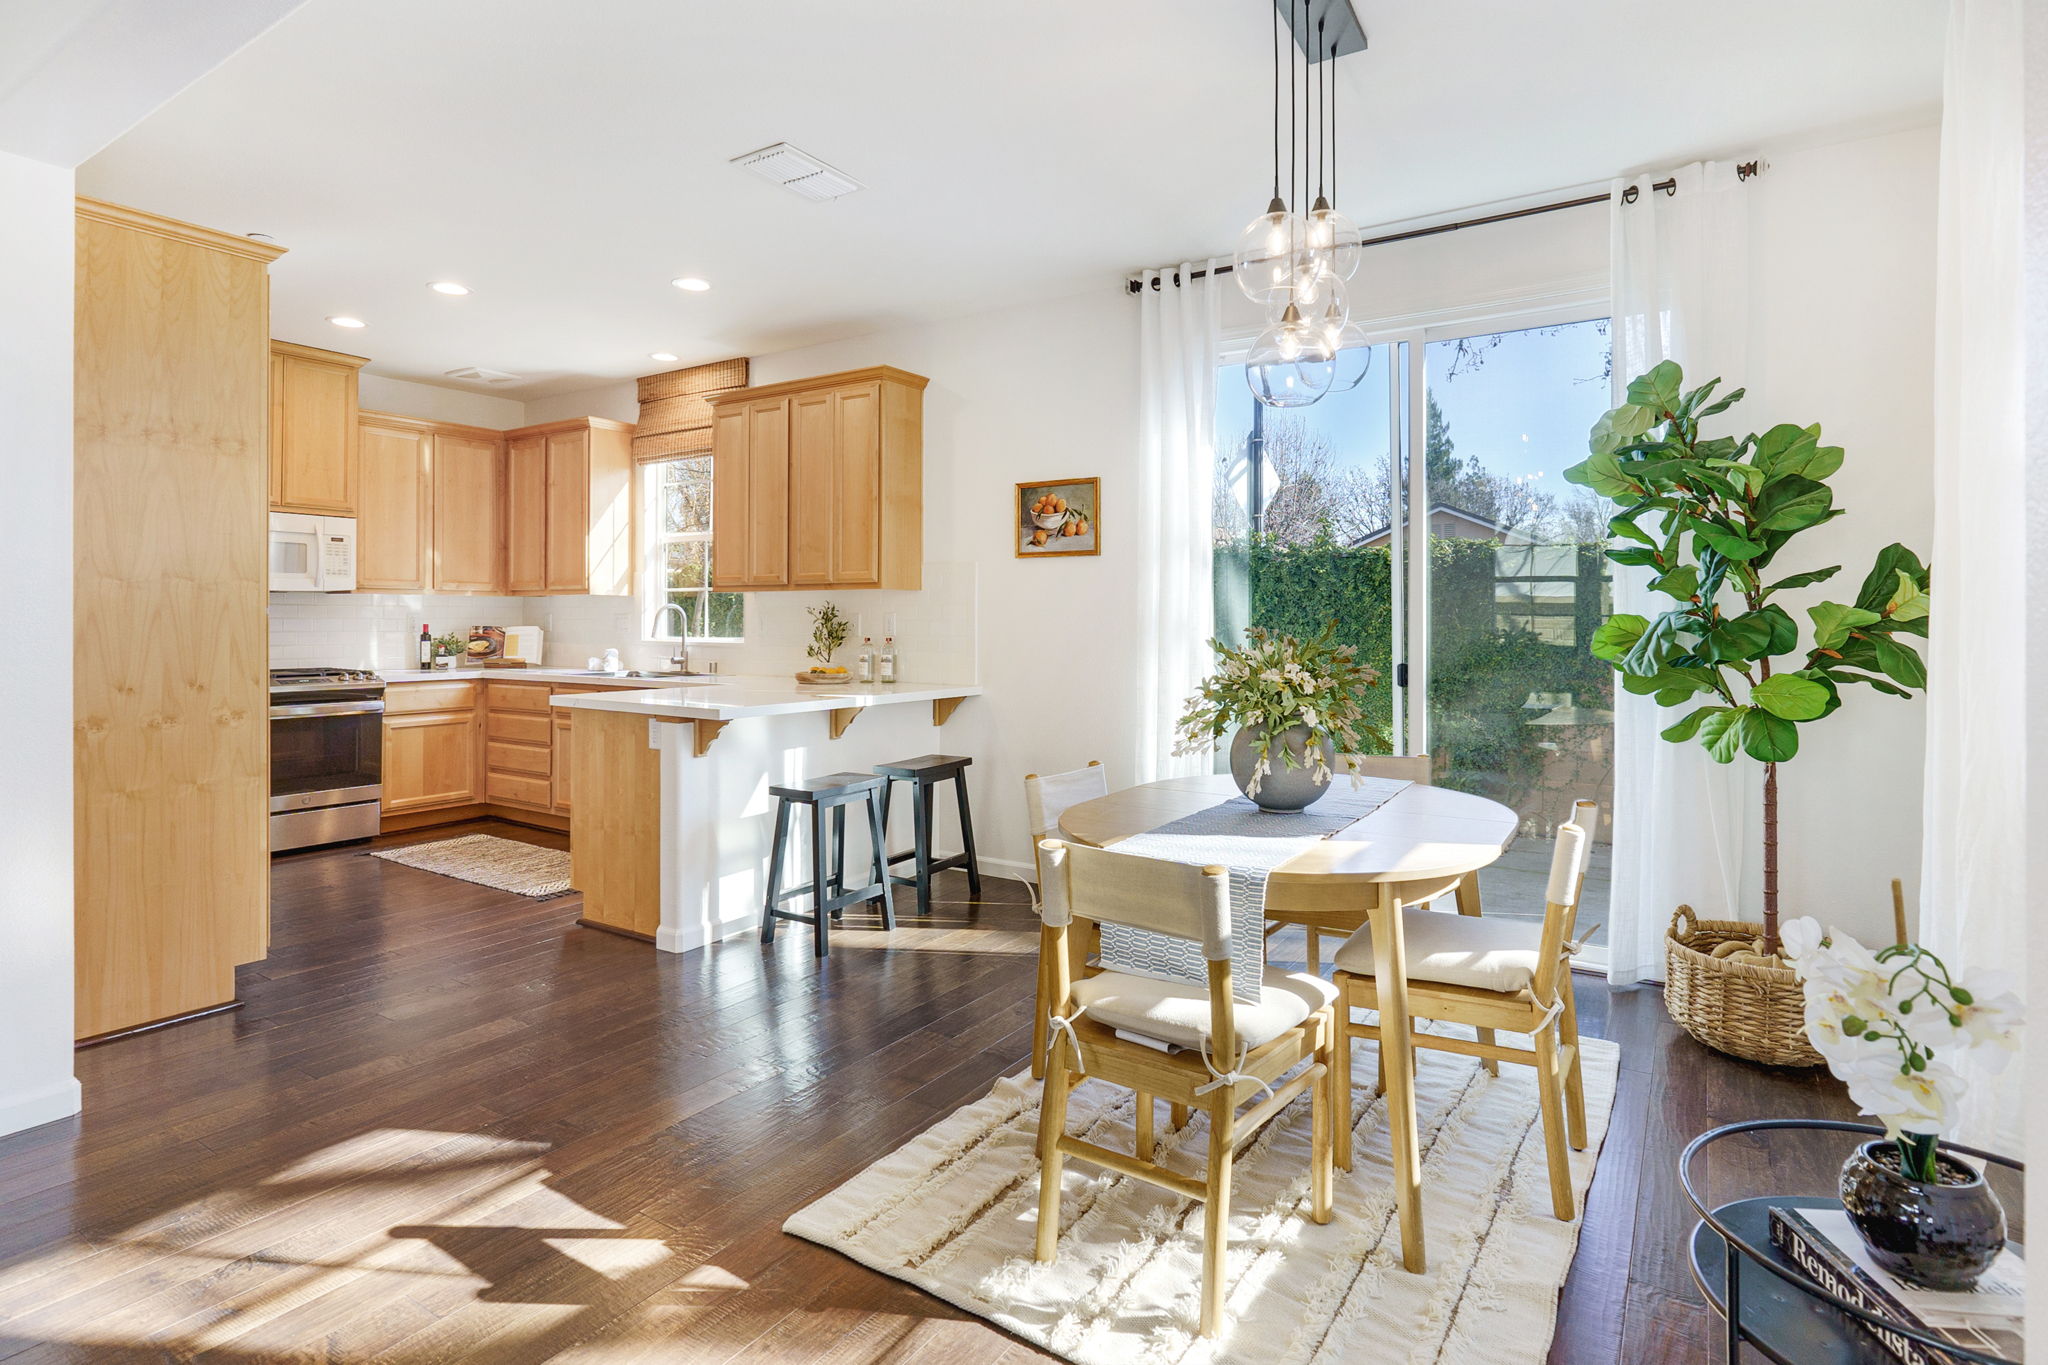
x=799 y=172
x=472 y=374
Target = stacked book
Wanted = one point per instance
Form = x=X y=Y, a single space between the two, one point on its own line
x=1989 y=1318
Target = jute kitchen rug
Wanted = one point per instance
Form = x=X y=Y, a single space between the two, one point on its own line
x=487 y=860
x=954 y=1212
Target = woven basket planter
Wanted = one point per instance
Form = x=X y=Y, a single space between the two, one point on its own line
x=1733 y=1007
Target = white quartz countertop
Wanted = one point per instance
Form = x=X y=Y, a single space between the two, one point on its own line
x=580 y=677
x=738 y=696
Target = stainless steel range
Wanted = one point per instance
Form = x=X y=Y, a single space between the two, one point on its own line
x=326 y=756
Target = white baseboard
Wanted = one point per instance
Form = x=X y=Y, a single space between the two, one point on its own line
x=36 y=1107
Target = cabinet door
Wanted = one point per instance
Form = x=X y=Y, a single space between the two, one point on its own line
x=857 y=492
x=561 y=777
x=469 y=492
x=429 y=760
x=313 y=436
x=767 y=511
x=526 y=514
x=729 y=548
x=812 y=492
x=568 y=521
x=395 y=504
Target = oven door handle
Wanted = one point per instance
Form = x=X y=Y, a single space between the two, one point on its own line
x=328 y=708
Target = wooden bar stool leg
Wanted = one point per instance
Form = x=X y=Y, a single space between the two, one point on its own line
x=838 y=857
x=1216 y=1214
x=1178 y=1114
x=1574 y=1077
x=820 y=890
x=1390 y=989
x=921 y=843
x=768 y=905
x=878 y=825
x=1146 y=1148
x=967 y=836
x=1052 y=1119
x=1550 y=1094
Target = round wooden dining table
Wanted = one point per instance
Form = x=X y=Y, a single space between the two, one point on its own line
x=1421 y=843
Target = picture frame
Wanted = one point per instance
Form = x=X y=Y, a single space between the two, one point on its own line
x=1057 y=517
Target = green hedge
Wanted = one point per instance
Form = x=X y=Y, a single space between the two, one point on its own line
x=1481 y=674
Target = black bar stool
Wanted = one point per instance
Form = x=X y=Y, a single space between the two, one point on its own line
x=922 y=774
x=833 y=792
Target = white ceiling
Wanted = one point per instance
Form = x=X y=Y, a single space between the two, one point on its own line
x=567 y=160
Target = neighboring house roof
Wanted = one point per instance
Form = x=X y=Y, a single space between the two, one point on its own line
x=1482 y=528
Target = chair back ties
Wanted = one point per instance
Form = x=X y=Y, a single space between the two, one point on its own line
x=1223 y=1079
x=1058 y=1026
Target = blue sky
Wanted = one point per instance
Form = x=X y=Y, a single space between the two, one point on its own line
x=1523 y=410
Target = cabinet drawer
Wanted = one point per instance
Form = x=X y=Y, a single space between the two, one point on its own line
x=504 y=696
x=519 y=790
x=518 y=758
x=520 y=727
x=408 y=698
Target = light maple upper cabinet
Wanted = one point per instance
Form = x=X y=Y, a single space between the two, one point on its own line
x=469 y=511
x=526 y=514
x=819 y=483
x=569 y=509
x=313 y=459
x=394 y=504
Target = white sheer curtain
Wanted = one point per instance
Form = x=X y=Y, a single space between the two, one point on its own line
x=1178 y=335
x=1973 y=908
x=1687 y=830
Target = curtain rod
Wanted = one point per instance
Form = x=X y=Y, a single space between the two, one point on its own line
x=1743 y=171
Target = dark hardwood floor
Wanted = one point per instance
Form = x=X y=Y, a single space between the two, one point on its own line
x=450 y=1125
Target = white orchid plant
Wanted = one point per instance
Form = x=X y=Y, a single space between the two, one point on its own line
x=1275 y=683
x=1894 y=1025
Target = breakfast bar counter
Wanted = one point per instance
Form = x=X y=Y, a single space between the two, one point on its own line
x=670 y=823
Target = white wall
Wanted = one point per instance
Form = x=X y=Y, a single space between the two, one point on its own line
x=1842 y=308
x=619 y=401
x=433 y=403
x=36 y=1082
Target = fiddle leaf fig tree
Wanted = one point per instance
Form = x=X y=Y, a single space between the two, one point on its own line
x=1707 y=516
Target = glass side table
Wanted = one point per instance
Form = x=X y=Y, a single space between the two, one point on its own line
x=1765 y=1299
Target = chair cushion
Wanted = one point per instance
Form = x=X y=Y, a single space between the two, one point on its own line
x=1457 y=950
x=1178 y=1013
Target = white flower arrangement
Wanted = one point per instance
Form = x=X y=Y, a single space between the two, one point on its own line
x=1894 y=1025
x=1275 y=683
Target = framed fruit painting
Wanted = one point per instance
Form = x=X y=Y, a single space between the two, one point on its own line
x=1058 y=518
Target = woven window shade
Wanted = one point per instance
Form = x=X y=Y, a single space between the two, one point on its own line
x=675 y=409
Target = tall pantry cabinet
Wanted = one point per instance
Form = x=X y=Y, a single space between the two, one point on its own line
x=171 y=747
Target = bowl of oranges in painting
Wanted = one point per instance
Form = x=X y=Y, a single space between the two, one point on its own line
x=1057 y=518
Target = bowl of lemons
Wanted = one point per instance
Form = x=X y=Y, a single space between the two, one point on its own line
x=820 y=677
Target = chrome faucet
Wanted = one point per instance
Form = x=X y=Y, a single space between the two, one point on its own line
x=680 y=660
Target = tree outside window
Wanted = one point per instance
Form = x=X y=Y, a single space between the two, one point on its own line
x=678 y=522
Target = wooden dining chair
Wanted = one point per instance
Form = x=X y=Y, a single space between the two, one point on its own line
x=1046 y=799
x=1401 y=768
x=1226 y=1052
x=1492 y=974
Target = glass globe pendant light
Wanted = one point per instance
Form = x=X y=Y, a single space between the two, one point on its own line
x=1291 y=364
x=1270 y=248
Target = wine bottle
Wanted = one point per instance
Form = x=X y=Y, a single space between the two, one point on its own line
x=885 y=662
x=426 y=646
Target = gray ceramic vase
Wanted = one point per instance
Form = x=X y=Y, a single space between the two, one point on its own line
x=1283 y=788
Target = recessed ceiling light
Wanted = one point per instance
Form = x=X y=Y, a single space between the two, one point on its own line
x=448 y=287
x=346 y=322
x=691 y=283
x=663 y=356
x=259 y=236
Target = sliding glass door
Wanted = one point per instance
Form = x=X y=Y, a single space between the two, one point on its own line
x=1425 y=512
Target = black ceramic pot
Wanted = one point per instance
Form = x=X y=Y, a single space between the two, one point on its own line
x=1936 y=1235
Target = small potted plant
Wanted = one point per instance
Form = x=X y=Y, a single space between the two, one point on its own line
x=448 y=648
x=829 y=630
x=1292 y=704
x=1893 y=1026
x=1708 y=516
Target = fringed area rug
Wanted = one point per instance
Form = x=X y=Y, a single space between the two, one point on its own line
x=954 y=1212
x=487 y=860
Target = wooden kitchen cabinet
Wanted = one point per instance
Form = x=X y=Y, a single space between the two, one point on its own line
x=394 y=505
x=526 y=514
x=569 y=510
x=818 y=483
x=313 y=450
x=469 y=511
x=429 y=760
x=564 y=731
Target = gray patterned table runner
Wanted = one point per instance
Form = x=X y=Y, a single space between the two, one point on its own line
x=1236 y=834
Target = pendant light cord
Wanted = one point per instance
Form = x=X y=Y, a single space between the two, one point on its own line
x=1322 y=134
x=1293 y=164
x=1276 y=104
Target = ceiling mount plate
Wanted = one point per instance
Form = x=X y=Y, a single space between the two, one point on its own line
x=1343 y=34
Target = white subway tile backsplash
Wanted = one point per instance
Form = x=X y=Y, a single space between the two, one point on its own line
x=373 y=630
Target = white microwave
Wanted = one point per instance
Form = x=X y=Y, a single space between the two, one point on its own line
x=312 y=554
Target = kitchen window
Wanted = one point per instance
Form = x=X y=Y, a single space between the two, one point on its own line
x=676 y=518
